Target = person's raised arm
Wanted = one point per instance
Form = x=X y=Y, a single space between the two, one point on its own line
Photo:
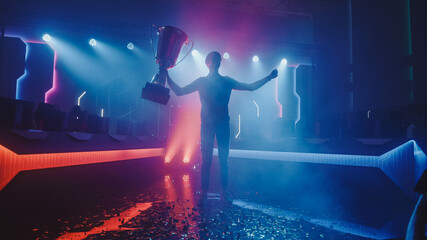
x=179 y=91
x=255 y=85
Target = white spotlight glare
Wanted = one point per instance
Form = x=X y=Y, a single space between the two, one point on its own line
x=226 y=55
x=80 y=97
x=92 y=42
x=130 y=46
x=194 y=52
x=284 y=61
x=46 y=37
x=255 y=58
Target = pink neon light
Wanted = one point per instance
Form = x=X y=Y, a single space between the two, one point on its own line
x=34 y=41
x=279 y=105
x=51 y=91
x=12 y=163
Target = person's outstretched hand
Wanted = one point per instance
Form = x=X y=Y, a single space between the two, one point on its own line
x=273 y=74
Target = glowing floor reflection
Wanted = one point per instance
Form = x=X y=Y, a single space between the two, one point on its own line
x=112 y=224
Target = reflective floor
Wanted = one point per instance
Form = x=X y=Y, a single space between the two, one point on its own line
x=143 y=200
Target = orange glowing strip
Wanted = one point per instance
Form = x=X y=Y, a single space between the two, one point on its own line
x=12 y=163
x=112 y=224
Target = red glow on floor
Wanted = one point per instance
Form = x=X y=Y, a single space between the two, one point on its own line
x=170 y=190
x=112 y=224
x=183 y=203
x=185 y=133
x=12 y=163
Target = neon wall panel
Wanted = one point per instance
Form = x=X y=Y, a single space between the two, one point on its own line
x=12 y=65
x=11 y=163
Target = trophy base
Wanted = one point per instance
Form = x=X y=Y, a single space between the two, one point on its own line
x=155 y=93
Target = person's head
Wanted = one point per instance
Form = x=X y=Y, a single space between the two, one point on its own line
x=213 y=60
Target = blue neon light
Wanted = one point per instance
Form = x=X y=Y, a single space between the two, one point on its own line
x=21 y=78
x=399 y=164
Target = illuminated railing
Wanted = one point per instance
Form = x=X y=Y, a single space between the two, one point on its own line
x=11 y=163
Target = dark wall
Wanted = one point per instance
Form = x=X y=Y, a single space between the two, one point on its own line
x=419 y=49
x=333 y=36
x=381 y=47
x=12 y=65
x=305 y=88
x=365 y=60
x=39 y=73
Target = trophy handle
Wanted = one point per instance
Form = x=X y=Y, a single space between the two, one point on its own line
x=151 y=38
x=192 y=45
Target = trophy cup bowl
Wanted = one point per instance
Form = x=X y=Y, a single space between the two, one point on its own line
x=171 y=40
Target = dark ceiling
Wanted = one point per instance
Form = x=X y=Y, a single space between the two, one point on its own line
x=129 y=11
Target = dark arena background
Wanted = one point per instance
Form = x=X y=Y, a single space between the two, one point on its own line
x=330 y=149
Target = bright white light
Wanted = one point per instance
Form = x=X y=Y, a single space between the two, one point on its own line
x=102 y=112
x=186 y=159
x=257 y=108
x=226 y=55
x=92 y=42
x=194 y=52
x=46 y=37
x=255 y=58
x=238 y=133
x=78 y=99
x=131 y=46
x=284 y=61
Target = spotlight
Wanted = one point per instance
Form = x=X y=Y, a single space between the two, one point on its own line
x=255 y=58
x=92 y=42
x=226 y=55
x=186 y=159
x=167 y=159
x=284 y=61
x=131 y=46
x=194 y=52
x=46 y=37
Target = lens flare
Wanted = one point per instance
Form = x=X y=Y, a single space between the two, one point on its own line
x=255 y=58
x=284 y=61
x=130 y=46
x=92 y=42
x=226 y=55
x=46 y=37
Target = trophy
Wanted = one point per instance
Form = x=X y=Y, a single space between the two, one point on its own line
x=171 y=40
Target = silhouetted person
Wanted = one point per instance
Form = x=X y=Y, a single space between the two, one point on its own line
x=214 y=92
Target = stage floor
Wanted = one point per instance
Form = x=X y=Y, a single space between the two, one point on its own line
x=143 y=199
